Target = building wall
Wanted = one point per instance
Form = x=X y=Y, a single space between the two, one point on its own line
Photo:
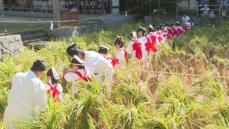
x=192 y=4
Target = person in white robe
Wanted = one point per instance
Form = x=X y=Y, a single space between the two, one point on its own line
x=27 y=97
x=96 y=64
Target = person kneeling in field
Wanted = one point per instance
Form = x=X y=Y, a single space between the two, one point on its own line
x=27 y=97
x=96 y=64
x=103 y=50
x=54 y=88
x=76 y=72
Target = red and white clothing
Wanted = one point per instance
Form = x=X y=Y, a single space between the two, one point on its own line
x=181 y=30
x=171 y=31
x=149 y=45
x=154 y=41
x=135 y=49
x=160 y=37
x=81 y=74
x=176 y=31
x=121 y=55
x=73 y=76
x=144 y=41
x=187 y=22
x=188 y=26
x=55 y=91
x=114 y=62
x=167 y=34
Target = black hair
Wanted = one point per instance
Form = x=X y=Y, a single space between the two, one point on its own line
x=132 y=34
x=150 y=29
x=38 y=66
x=76 y=62
x=119 y=41
x=161 y=26
x=171 y=24
x=141 y=29
x=50 y=74
x=177 y=24
x=103 y=50
x=157 y=28
x=166 y=24
x=74 y=50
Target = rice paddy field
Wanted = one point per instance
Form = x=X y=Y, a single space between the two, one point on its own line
x=182 y=89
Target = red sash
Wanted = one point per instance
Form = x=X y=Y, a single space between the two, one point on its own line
x=82 y=77
x=176 y=33
x=113 y=61
x=154 y=42
x=181 y=29
x=160 y=37
x=137 y=47
x=149 y=44
x=53 y=91
x=171 y=31
x=168 y=35
x=153 y=39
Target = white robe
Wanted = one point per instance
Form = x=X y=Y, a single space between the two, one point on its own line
x=27 y=97
x=101 y=67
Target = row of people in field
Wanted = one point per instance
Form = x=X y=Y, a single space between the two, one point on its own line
x=142 y=43
x=28 y=93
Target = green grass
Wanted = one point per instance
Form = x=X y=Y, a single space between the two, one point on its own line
x=140 y=99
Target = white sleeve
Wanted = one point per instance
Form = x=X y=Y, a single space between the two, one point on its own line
x=40 y=96
x=110 y=75
x=91 y=70
x=129 y=48
x=60 y=88
x=70 y=77
x=120 y=55
x=13 y=90
x=109 y=72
